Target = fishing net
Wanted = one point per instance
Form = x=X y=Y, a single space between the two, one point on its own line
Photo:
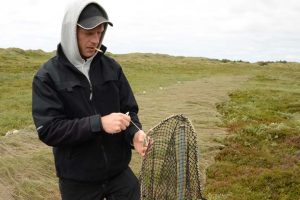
x=170 y=168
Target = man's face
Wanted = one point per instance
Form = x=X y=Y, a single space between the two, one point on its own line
x=88 y=40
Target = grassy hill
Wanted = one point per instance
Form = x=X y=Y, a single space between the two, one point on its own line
x=258 y=159
x=17 y=68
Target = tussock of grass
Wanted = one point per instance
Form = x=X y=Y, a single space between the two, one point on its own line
x=16 y=71
x=26 y=167
x=261 y=158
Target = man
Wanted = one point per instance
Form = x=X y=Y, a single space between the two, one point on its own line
x=80 y=105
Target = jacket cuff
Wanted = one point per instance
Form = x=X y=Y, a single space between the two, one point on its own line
x=95 y=122
x=132 y=130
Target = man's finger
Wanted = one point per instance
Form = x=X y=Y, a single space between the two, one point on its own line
x=148 y=147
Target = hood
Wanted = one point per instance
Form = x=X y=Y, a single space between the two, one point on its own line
x=69 y=27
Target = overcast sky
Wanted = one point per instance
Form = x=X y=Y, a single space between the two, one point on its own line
x=246 y=30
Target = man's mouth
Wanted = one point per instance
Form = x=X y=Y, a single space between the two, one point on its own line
x=90 y=49
x=99 y=50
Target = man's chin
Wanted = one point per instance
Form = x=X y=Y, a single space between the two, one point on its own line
x=88 y=54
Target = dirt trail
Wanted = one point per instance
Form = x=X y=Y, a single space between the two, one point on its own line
x=5 y=193
x=197 y=100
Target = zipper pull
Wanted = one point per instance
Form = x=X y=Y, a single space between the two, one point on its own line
x=91 y=92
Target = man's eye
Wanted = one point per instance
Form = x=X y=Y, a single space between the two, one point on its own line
x=89 y=33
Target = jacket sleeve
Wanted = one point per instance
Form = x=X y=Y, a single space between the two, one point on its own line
x=129 y=104
x=53 y=127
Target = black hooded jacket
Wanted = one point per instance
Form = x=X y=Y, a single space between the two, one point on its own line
x=66 y=109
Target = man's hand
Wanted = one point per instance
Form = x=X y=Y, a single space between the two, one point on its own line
x=141 y=142
x=115 y=122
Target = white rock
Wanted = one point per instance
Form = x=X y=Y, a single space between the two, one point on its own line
x=14 y=131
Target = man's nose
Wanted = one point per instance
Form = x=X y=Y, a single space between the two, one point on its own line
x=95 y=38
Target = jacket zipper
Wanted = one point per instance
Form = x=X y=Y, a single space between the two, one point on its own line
x=105 y=157
x=95 y=112
x=91 y=98
x=91 y=93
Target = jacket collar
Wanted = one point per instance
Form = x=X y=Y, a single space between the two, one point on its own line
x=109 y=69
x=63 y=58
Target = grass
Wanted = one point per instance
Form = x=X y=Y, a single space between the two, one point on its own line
x=146 y=72
x=151 y=71
x=26 y=167
x=260 y=157
x=17 y=68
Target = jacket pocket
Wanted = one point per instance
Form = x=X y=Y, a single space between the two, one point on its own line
x=107 y=96
x=85 y=162
x=68 y=85
x=75 y=98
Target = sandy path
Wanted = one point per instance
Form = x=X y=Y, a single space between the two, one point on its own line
x=197 y=100
x=5 y=193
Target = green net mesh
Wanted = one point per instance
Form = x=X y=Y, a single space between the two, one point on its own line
x=170 y=168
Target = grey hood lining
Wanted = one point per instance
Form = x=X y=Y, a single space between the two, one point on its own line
x=69 y=28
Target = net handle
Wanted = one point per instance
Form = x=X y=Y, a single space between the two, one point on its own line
x=182 y=155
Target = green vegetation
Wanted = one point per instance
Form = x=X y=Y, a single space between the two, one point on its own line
x=261 y=159
x=17 y=68
x=261 y=155
x=26 y=167
x=150 y=71
x=144 y=71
